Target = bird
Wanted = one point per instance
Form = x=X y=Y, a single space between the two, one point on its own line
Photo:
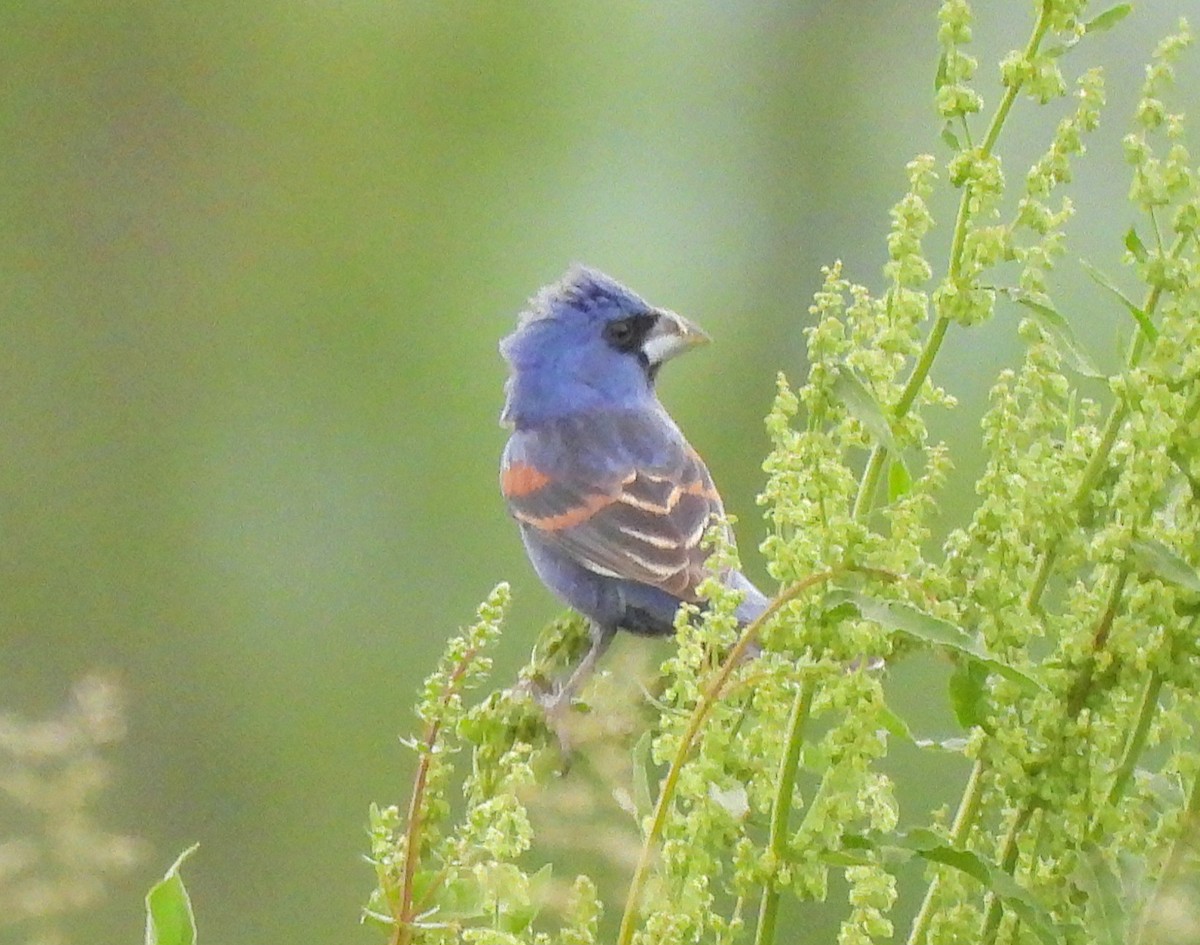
x=611 y=500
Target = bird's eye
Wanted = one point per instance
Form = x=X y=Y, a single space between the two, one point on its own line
x=627 y=333
x=620 y=332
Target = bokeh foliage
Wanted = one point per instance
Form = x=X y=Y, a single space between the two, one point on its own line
x=255 y=261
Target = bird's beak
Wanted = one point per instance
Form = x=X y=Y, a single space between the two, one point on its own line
x=671 y=335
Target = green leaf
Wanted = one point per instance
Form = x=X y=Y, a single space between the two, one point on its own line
x=931 y=847
x=1165 y=563
x=968 y=694
x=895 y=725
x=897 y=615
x=1139 y=315
x=169 y=919
x=927 y=844
x=858 y=841
x=939 y=78
x=844 y=858
x=864 y=408
x=1134 y=244
x=517 y=917
x=906 y=619
x=458 y=899
x=1059 y=329
x=643 y=797
x=1108 y=19
x=1106 y=912
x=950 y=138
x=1027 y=683
x=899 y=479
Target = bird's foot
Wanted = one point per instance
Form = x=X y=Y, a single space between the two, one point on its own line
x=557 y=700
x=556 y=703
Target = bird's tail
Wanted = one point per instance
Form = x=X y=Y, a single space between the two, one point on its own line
x=755 y=601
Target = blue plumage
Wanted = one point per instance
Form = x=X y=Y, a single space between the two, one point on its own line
x=610 y=498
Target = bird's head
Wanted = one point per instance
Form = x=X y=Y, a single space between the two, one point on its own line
x=586 y=342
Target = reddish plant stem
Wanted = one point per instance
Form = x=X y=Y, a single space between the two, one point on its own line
x=405 y=913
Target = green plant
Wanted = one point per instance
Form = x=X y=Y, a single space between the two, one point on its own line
x=57 y=860
x=1068 y=604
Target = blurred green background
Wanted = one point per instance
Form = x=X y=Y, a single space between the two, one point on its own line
x=255 y=261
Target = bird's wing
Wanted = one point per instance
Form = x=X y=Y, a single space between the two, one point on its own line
x=623 y=494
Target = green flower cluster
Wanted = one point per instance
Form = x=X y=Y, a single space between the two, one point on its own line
x=1067 y=602
x=441 y=882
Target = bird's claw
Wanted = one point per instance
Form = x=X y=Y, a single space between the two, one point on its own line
x=555 y=701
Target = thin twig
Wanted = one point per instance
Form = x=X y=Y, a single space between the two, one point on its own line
x=405 y=912
x=764 y=933
x=705 y=704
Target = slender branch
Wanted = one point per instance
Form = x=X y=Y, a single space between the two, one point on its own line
x=1137 y=739
x=969 y=803
x=705 y=704
x=869 y=484
x=1077 y=697
x=870 y=479
x=764 y=933
x=405 y=912
x=402 y=931
x=962 y=223
x=1108 y=438
x=1141 y=729
x=1008 y=863
x=964 y=819
x=1087 y=482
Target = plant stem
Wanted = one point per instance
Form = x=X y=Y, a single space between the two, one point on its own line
x=1077 y=697
x=864 y=498
x=962 y=224
x=937 y=334
x=964 y=818
x=1141 y=729
x=785 y=785
x=1091 y=475
x=968 y=805
x=402 y=931
x=405 y=912
x=1099 y=461
x=705 y=704
x=1008 y=863
x=924 y=364
x=1137 y=739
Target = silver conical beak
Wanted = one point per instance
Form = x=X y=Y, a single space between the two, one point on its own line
x=671 y=335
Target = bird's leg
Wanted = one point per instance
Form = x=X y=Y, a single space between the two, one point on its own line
x=557 y=705
x=561 y=699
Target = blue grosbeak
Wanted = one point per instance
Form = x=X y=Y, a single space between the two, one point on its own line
x=611 y=500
